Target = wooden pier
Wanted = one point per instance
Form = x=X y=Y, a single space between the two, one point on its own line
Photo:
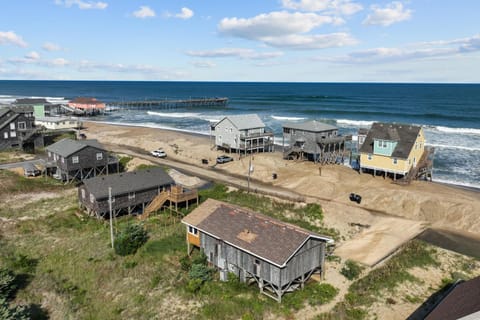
x=168 y=103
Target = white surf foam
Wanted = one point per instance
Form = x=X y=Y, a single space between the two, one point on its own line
x=153 y=125
x=356 y=123
x=458 y=183
x=174 y=114
x=471 y=131
x=444 y=146
x=287 y=118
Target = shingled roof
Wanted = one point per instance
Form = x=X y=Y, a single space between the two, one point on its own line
x=67 y=147
x=31 y=101
x=126 y=182
x=461 y=301
x=264 y=237
x=244 y=121
x=312 y=125
x=404 y=135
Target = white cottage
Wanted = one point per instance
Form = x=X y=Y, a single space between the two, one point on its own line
x=242 y=133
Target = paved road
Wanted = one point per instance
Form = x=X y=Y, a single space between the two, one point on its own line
x=213 y=174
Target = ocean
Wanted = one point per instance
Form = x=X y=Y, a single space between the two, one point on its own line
x=449 y=113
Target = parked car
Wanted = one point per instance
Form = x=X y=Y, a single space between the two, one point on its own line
x=224 y=159
x=355 y=197
x=159 y=153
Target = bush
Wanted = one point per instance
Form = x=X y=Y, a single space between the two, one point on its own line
x=15 y=313
x=130 y=240
x=7 y=283
x=194 y=285
x=351 y=270
x=200 y=271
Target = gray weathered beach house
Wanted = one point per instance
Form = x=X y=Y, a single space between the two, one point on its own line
x=278 y=256
x=131 y=191
x=312 y=140
x=242 y=134
x=16 y=127
x=80 y=159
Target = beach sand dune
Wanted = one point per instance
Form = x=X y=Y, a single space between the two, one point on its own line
x=389 y=209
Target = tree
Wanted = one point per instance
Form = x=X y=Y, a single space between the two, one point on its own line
x=130 y=240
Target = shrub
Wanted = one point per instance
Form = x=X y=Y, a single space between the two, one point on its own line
x=200 y=271
x=351 y=270
x=7 y=283
x=194 y=285
x=130 y=240
x=185 y=263
x=15 y=313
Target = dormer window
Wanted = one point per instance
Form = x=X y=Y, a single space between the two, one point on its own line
x=192 y=230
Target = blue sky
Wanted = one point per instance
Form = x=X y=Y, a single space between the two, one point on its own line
x=248 y=40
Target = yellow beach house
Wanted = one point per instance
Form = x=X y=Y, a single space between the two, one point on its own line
x=392 y=149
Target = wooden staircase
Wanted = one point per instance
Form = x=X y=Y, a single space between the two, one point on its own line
x=156 y=204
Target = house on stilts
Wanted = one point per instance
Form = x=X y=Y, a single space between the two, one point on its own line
x=397 y=151
x=71 y=160
x=242 y=134
x=278 y=256
x=313 y=140
x=138 y=192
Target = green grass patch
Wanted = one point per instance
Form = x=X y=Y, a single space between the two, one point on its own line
x=14 y=183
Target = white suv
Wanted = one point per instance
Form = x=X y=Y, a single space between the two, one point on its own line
x=159 y=153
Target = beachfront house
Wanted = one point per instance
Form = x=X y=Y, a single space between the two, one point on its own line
x=131 y=192
x=278 y=256
x=312 y=140
x=58 y=123
x=461 y=301
x=17 y=127
x=87 y=105
x=242 y=134
x=395 y=150
x=71 y=160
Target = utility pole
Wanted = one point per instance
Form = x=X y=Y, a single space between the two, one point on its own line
x=110 y=207
x=250 y=169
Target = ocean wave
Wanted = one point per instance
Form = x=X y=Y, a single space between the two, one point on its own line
x=457 y=183
x=153 y=126
x=444 y=146
x=287 y=118
x=470 y=131
x=357 y=123
x=174 y=114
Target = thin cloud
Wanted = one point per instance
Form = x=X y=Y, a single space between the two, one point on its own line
x=144 y=12
x=392 y=13
x=49 y=46
x=82 y=5
x=234 y=52
x=343 y=7
x=10 y=37
x=32 y=55
x=424 y=50
x=204 y=64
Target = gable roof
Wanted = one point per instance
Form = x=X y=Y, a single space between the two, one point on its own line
x=67 y=147
x=262 y=236
x=311 y=125
x=3 y=112
x=125 y=182
x=405 y=136
x=244 y=121
x=31 y=101
x=461 y=301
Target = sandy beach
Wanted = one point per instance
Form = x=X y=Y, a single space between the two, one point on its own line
x=388 y=215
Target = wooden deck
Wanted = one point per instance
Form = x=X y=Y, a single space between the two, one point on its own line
x=176 y=195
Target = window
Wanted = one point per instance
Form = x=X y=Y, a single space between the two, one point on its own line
x=192 y=230
x=5 y=135
x=256 y=267
x=22 y=125
x=83 y=193
x=12 y=126
x=131 y=196
x=395 y=160
x=75 y=159
x=99 y=156
x=384 y=144
x=370 y=156
x=92 y=198
x=63 y=159
x=13 y=134
x=49 y=154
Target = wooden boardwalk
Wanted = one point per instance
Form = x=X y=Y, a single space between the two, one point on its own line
x=168 y=103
